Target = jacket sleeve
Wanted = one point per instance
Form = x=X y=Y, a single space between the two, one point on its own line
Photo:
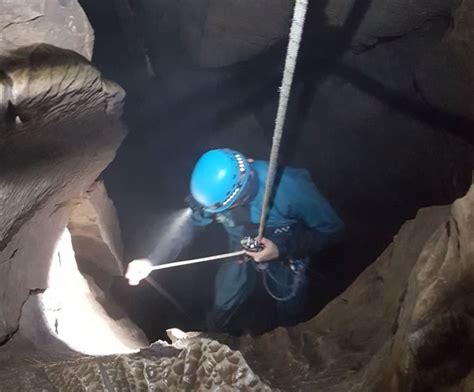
x=318 y=226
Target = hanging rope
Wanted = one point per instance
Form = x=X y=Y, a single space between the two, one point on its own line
x=296 y=33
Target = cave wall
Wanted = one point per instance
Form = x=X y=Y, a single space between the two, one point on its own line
x=96 y=236
x=59 y=129
x=57 y=22
x=405 y=324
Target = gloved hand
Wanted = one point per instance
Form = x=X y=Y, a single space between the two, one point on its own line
x=137 y=270
x=268 y=253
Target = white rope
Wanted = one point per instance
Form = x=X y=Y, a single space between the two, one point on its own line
x=296 y=33
x=201 y=260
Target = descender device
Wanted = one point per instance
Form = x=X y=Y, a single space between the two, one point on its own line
x=251 y=244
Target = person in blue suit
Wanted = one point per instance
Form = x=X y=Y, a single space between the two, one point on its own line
x=229 y=189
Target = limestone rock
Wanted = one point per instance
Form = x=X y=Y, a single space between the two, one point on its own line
x=59 y=128
x=404 y=325
x=61 y=23
x=70 y=311
x=96 y=238
x=202 y=365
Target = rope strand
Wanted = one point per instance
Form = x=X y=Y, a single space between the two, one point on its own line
x=296 y=33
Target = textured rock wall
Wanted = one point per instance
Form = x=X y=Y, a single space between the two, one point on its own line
x=61 y=23
x=96 y=237
x=200 y=365
x=219 y=33
x=60 y=128
x=72 y=310
x=406 y=324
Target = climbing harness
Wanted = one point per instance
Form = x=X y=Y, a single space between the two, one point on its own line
x=254 y=244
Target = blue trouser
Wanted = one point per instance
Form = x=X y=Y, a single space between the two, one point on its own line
x=236 y=282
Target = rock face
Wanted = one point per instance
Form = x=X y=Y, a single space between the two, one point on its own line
x=216 y=33
x=96 y=238
x=61 y=23
x=406 y=324
x=220 y=33
x=201 y=365
x=60 y=128
x=74 y=311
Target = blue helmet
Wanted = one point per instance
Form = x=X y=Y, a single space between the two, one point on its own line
x=218 y=179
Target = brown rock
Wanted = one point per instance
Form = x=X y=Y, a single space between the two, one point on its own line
x=96 y=238
x=75 y=312
x=197 y=367
x=60 y=128
x=61 y=23
x=404 y=325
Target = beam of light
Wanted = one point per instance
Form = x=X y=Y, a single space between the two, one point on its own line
x=73 y=315
x=176 y=234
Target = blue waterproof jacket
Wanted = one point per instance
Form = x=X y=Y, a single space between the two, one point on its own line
x=300 y=219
